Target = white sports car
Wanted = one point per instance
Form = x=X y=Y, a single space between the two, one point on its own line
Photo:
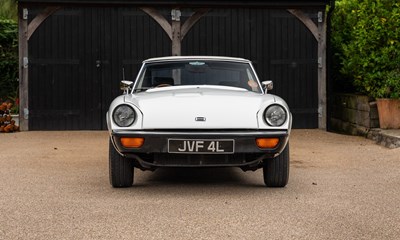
x=198 y=112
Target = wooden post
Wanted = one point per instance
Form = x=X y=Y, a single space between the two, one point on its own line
x=319 y=33
x=176 y=32
x=23 y=69
x=322 y=70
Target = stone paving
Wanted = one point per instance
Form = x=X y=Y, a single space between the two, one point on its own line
x=389 y=138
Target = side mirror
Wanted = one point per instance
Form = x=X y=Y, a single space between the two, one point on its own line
x=125 y=86
x=267 y=85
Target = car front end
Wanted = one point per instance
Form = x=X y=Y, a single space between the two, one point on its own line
x=198 y=125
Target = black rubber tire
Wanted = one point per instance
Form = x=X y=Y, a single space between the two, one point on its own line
x=276 y=170
x=121 y=169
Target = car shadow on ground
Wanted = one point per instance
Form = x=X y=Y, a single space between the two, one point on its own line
x=198 y=176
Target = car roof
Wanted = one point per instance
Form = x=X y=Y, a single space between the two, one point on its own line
x=204 y=58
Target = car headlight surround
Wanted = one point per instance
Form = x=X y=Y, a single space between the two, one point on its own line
x=124 y=115
x=275 y=115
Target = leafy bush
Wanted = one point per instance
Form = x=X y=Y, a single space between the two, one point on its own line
x=365 y=36
x=8 y=9
x=8 y=60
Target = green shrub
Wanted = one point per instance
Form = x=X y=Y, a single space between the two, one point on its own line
x=365 y=36
x=8 y=60
x=8 y=9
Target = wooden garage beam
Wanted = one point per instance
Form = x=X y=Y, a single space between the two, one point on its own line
x=306 y=20
x=189 y=23
x=40 y=18
x=175 y=31
x=319 y=33
x=160 y=19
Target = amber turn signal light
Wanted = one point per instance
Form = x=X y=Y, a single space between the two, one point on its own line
x=132 y=142
x=267 y=142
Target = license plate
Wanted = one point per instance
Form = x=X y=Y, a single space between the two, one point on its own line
x=204 y=146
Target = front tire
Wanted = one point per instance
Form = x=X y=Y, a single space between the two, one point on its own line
x=276 y=170
x=121 y=169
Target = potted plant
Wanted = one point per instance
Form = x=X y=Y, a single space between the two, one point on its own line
x=388 y=101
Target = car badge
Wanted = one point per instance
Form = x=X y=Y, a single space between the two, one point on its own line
x=200 y=119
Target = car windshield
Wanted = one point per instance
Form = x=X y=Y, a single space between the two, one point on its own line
x=197 y=72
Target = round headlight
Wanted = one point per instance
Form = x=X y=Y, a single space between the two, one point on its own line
x=275 y=115
x=124 y=115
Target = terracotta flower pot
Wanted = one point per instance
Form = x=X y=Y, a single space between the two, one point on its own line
x=389 y=113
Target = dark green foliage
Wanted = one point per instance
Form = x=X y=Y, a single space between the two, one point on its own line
x=8 y=60
x=8 y=9
x=366 y=38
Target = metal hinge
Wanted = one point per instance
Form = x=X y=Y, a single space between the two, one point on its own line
x=25 y=62
x=176 y=15
x=26 y=113
x=320 y=17
x=319 y=62
x=25 y=14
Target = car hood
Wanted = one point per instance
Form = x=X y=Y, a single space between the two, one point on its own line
x=200 y=107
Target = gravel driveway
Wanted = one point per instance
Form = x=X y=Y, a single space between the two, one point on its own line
x=54 y=185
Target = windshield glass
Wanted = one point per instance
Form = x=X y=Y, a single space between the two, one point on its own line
x=193 y=72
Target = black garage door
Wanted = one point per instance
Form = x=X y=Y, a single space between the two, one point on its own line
x=77 y=55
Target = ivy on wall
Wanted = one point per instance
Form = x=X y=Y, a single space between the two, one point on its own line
x=8 y=60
